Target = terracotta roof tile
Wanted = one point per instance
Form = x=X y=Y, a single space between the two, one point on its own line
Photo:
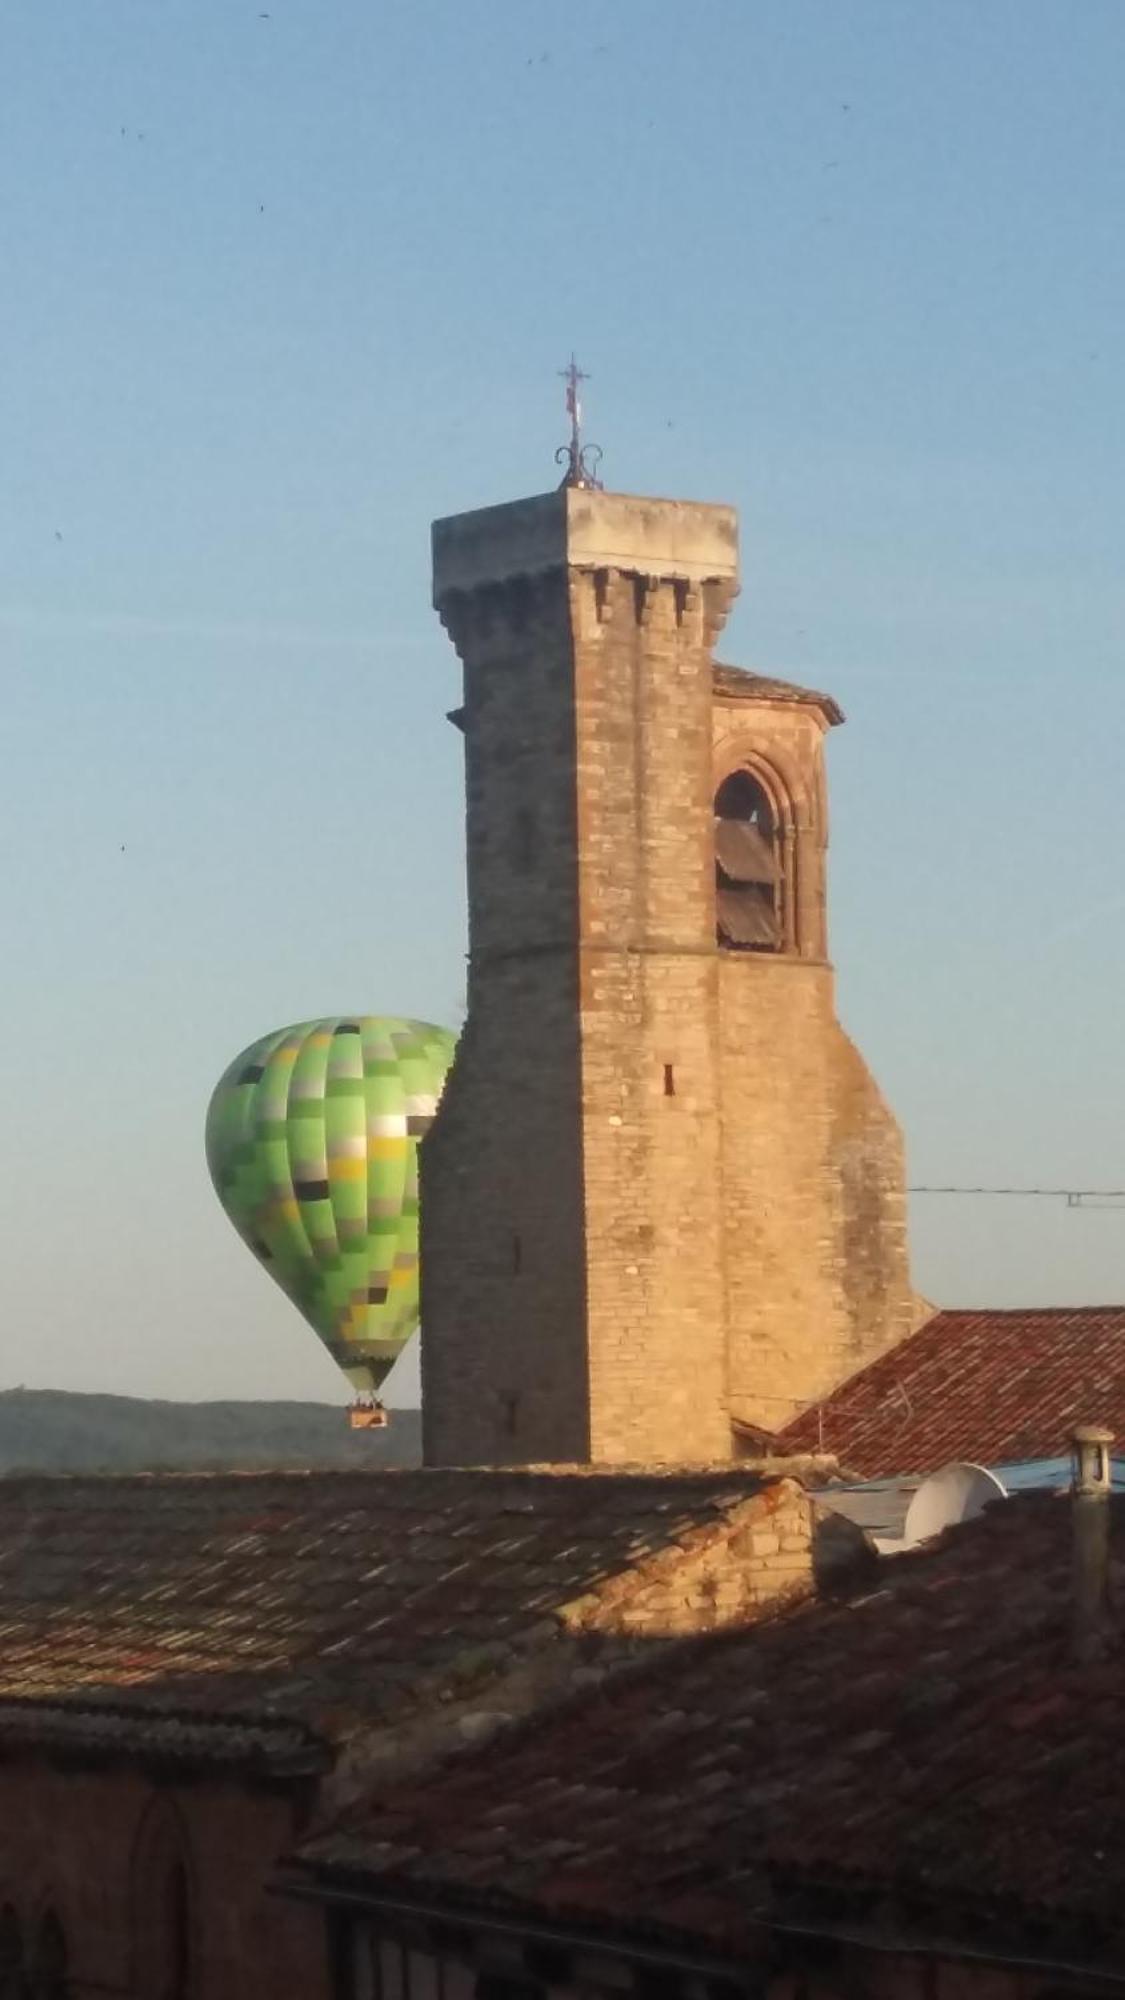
x=990 y=1386
x=333 y=1598
x=101 y=1730
x=935 y=1732
x=739 y=684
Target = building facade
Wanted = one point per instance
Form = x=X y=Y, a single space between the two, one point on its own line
x=664 y=1196
x=144 y=1870
x=195 y=1671
x=911 y=1794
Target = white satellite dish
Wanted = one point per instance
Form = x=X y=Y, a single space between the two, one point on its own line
x=957 y=1493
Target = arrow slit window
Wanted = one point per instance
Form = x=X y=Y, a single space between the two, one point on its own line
x=749 y=872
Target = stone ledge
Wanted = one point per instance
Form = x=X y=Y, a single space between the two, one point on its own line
x=576 y=528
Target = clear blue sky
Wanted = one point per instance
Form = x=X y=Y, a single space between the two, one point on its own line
x=277 y=291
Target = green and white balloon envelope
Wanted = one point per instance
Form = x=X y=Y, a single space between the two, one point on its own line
x=312 y=1145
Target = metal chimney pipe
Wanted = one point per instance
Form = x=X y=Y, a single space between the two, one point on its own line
x=1092 y=1484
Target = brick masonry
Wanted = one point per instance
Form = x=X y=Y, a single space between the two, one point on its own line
x=663 y=1192
x=92 y=1847
x=817 y=1265
x=92 y=1839
x=759 y=1548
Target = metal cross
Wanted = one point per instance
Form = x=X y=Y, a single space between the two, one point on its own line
x=572 y=376
x=581 y=460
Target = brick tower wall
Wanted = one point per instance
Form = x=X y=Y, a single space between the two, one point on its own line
x=663 y=1190
x=648 y=987
x=816 y=1254
x=572 y=1296
x=504 y=1371
x=814 y=1200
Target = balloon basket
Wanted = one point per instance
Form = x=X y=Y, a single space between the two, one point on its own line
x=368 y=1417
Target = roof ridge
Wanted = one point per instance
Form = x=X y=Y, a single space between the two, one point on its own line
x=669 y=1475
x=774 y=686
x=1013 y=1312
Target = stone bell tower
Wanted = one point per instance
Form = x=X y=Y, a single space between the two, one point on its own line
x=663 y=1195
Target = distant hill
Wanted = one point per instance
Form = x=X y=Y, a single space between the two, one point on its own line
x=53 y=1430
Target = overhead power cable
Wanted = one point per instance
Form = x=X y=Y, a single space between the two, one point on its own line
x=1074 y=1197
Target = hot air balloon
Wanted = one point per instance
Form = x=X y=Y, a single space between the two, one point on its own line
x=312 y=1145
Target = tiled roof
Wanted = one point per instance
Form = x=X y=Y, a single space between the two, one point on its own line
x=101 y=1731
x=934 y=1732
x=331 y=1598
x=989 y=1386
x=742 y=685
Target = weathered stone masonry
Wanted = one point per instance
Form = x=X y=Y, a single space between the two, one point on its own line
x=663 y=1193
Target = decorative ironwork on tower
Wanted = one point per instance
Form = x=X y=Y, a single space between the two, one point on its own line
x=581 y=460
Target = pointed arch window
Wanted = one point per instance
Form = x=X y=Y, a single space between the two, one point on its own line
x=749 y=874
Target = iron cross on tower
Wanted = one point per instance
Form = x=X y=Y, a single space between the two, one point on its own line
x=581 y=460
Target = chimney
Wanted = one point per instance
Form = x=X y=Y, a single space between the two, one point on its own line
x=1092 y=1482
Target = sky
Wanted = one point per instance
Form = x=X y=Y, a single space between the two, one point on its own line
x=284 y=280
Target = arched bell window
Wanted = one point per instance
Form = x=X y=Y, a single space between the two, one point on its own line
x=749 y=886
